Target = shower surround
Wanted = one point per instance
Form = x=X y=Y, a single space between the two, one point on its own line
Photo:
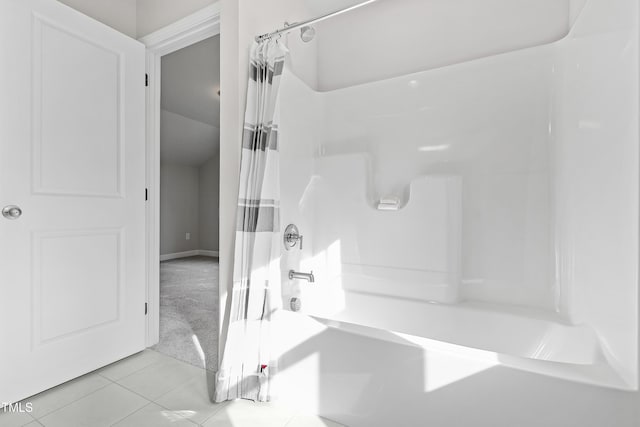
x=486 y=208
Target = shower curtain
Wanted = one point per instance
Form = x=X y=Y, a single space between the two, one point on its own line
x=247 y=363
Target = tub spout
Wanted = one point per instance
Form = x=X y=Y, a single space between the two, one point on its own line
x=305 y=276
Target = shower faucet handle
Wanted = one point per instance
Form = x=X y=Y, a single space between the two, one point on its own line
x=291 y=237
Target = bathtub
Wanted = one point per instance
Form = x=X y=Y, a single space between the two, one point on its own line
x=518 y=333
x=512 y=228
x=512 y=337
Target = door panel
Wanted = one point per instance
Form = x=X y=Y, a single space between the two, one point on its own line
x=88 y=75
x=95 y=276
x=72 y=278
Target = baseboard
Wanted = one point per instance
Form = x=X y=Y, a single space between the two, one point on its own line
x=175 y=255
x=214 y=254
x=186 y=254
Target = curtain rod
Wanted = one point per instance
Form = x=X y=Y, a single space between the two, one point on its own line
x=311 y=21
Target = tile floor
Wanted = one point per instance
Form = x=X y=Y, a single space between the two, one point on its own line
x=150 y=389
x=189 y=310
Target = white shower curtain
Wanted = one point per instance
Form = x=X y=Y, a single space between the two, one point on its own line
x=247 y=364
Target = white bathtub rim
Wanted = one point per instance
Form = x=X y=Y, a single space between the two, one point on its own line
x=601 y=373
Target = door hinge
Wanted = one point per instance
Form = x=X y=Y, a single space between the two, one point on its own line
x=146 y=194
x=146 y=308
x=146 y=80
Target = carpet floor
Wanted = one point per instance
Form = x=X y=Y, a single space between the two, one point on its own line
x=189 y=310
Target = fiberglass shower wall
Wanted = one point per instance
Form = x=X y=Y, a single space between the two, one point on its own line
x=481 y=159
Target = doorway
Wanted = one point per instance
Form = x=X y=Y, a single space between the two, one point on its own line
x=189 y=183
x=183 y=104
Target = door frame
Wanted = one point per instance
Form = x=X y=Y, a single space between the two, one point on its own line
x=189 y=30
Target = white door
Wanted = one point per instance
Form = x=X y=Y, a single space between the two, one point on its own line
x=72 y=266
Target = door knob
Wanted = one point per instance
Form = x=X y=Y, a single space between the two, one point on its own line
x=11 y=212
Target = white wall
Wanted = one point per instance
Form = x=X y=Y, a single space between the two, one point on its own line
x=373 y=42
x=482 y=124
x=596 y=165
x=119 y=14
x=179 y=213
x=209 y=187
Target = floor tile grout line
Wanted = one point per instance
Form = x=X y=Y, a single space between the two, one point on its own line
x=206 y=372
x=199 y=424
x=74 y=401
x=133 y=412
x=222 y=406
x=230 y=402
x=153 y=400
x=178 y=360
x=124 y=360
x=128 y=415
x=106 y=378
x=313 y=415
x=144 y=367
x=21 y=412
x=135 y=392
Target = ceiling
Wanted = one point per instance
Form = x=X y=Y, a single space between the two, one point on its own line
x=185 y=141
x=190 y=119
